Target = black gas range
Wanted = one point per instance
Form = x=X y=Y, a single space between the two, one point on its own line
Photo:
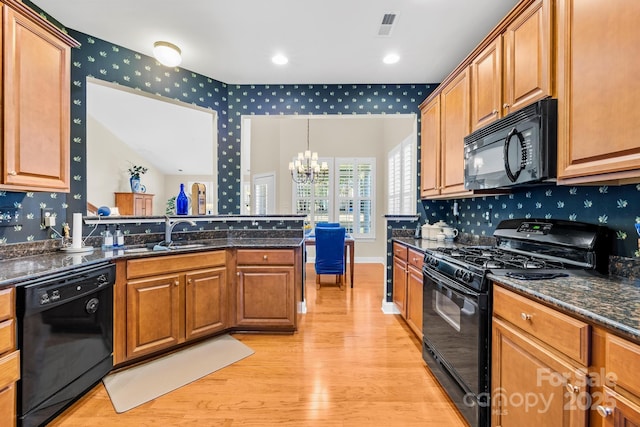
x=457 y=306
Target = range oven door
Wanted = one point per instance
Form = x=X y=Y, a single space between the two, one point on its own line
x=455 y=328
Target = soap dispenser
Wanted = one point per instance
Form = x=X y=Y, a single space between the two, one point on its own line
x=107 y=239
x=118 y=238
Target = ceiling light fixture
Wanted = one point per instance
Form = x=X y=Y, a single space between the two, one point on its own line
x=280 y=59
x=167 y=54
x=305 y=169
x=391 y=58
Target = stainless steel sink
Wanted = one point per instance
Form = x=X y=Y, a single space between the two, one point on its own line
x=137 y=250
x=186 y=245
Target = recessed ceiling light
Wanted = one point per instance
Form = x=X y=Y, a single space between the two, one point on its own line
x=279 y=59
x=391 y=58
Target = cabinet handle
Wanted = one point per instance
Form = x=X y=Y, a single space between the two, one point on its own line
x=604 y=411
x=238 y=274
x=264 y=257
x=189 y=281
x=13 y=173
x=506 y=106
x=176 y=283
x=494 y=112
x=525 y=316
x=572 y=388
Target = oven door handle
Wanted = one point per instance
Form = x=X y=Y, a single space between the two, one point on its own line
x=448 y=283
x=513 y=176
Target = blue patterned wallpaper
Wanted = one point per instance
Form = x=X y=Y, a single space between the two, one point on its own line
x=616 y=207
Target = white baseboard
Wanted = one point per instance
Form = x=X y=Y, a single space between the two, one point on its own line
x=389 y=308
x=302 y=307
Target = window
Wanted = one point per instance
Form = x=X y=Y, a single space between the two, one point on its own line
x=344 y=194
x=401 y=190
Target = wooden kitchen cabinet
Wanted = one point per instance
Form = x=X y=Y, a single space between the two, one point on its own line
x=541 y=355
x=528 y=57
x=170 y=300
x=35 y=102
x=414 y=292
x=616 y=397
x=486 y=85
x=444 y=124
x=9 y=358
x=266 y=294
x=136 y=204
x=407 y=285
x=430 y=148
x=516 y=68
x=598 y=84
x=400 y=277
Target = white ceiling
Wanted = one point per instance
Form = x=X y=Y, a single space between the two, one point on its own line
x=327 y=41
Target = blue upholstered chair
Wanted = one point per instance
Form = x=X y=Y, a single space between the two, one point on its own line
x=330 y=253
x=328 y=224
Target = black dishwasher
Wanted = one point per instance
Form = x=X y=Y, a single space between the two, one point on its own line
x=65 y=337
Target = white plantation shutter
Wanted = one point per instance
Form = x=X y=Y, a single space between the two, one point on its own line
x=344 y=195
x=401 y=174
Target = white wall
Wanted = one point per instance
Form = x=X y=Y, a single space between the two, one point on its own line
x=276 y=140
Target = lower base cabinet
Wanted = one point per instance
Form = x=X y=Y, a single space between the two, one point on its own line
x=171 y=300
x=266 y=289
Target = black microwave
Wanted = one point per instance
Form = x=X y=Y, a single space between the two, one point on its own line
x=520 y=148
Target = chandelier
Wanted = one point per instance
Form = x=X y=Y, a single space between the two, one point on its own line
x=305 y=169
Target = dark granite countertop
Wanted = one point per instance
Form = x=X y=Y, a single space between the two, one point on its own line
x=608 y=301
x=27 y=268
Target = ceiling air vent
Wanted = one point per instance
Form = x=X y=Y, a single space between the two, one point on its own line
x=387 y=24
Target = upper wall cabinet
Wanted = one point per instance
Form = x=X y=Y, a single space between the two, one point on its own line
x=444 y=124
x=598 y=91
x=515 y=68
x=35 y=102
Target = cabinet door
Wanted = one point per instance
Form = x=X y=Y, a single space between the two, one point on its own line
x=454 y=119
x=430 y=148
x=265 y=297
x=138 y=205
x=528 y=47
x=414 y=300
x=400 y=285
x=205 y=302
x=486 y=85
x=598 y=90
x=148 y=205
x=532 y=386
x=153 y=314
x=36 y=102
x=616 y=410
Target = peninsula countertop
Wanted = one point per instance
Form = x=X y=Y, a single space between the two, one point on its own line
x=27 y=268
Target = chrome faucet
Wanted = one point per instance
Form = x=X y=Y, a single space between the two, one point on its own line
x=170 y=223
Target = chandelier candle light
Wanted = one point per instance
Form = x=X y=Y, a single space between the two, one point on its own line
x=306 y=169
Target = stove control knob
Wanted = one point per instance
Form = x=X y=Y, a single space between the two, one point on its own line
x=433 y=262
x=467 y=277
x=459 y=273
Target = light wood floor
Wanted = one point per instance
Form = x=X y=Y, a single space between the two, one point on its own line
x=348 y=365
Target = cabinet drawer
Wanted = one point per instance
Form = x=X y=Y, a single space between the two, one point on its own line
x=7 y=336
x=622 y=363
x=400 y=251
x=166 y=264
x=265 y=257
x=8 y=406
x=7 y=303
x=564 y=333
x=416 y=258
x=9 y=369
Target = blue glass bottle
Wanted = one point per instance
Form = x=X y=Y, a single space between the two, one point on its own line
x=182 y=202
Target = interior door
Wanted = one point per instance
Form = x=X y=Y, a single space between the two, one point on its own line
x=264 y=193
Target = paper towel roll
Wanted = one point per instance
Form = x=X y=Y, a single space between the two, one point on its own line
x=76 y=234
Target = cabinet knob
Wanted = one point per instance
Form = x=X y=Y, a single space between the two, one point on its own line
x=264 y=257
x=176 y=283
x=494 y=112
x=572 y=388
x=506 y=106
x=189 y=281
x=13 y=173
x=525 y=316
x=238 y=274
x=604 y=411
